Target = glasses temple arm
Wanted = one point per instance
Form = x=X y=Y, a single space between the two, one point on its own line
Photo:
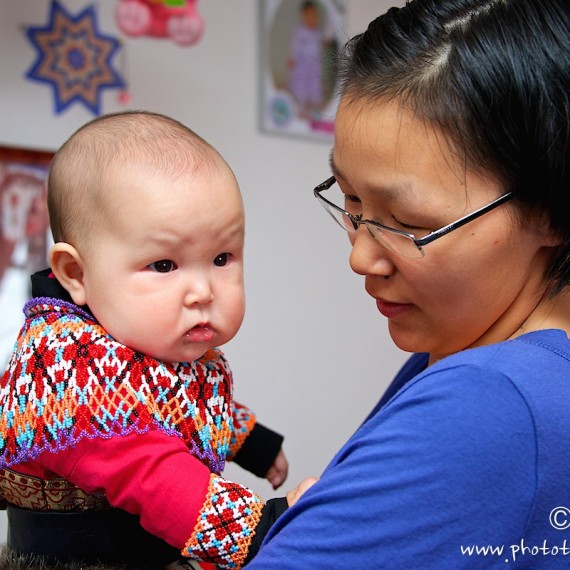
x=465 y=220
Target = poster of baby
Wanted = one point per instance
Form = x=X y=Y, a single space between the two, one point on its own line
x=300 y=41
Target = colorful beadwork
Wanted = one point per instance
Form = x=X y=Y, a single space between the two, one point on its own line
x=68 y=379
x=244 y=421
x=226 y=524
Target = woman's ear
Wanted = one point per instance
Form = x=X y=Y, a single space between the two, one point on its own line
x=554 y=240
x=67 y=266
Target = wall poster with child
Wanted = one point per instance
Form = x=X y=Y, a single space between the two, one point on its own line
x=299 y=45
x=24 y=234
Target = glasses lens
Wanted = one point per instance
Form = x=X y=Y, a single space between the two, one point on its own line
x=337 y=208
x=335 y=203
x=398 y=243
x=339 y=217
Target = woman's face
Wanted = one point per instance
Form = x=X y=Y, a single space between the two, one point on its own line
x=474 y=286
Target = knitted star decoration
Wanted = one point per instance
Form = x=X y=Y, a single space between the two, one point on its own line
x=74 y=58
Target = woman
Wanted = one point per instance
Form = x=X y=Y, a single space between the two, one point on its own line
x=450 y=153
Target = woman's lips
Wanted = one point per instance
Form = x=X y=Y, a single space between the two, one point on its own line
x=201 y=333
x=392 y=310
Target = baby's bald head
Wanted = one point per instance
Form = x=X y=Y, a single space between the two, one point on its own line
x=82 y=168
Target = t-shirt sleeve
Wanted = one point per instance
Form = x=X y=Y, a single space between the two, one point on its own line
x=430 y=472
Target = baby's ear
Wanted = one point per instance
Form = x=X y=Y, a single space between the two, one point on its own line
x=67 y=266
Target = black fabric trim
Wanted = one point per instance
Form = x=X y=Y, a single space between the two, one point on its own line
x=272 y=510
x=110 y=536
x=45 y=286
x=259 y=450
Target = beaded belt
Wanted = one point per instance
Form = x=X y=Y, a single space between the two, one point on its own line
x=55 y=494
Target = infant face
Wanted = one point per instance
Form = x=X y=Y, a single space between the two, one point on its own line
x=164 y=274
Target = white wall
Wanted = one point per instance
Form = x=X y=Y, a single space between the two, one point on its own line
x=313 y=355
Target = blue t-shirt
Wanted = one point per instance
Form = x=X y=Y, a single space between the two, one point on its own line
x=464 y=464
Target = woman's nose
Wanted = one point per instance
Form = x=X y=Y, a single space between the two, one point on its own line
x=368 y=256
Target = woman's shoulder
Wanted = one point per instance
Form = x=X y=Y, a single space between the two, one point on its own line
x=528 y=355
x=520 y=381
x=533 y=362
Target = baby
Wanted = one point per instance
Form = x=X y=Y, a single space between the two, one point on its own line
x=116 y=410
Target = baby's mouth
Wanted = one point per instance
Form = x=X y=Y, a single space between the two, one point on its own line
x=201 y=333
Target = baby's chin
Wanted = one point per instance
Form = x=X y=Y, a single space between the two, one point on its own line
x=188 y=353
x=191 y=347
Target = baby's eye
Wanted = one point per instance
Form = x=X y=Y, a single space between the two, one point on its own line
x=163 y=266
x=221 y=259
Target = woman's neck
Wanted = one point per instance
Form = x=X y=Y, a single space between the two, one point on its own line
x=552 y=312
x=549 y=312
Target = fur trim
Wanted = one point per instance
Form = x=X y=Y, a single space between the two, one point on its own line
x=10 y=560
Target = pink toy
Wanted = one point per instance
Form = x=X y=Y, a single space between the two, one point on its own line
x=176 y=19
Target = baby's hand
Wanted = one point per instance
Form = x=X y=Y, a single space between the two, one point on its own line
x=295 y=494
x=278 y=471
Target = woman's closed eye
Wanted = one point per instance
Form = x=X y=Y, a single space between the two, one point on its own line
x=352 y=198
x=353 y=205
x=163 y=266
x=413 y=228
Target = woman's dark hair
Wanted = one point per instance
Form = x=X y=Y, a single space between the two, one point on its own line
x=494 y=75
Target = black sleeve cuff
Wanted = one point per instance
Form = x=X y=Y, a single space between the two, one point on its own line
x=272 y=510
x=259 y=450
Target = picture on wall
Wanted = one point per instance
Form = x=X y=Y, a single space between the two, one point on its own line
x=300 y=41
x=24 y=234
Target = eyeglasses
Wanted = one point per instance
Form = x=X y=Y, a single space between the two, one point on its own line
x=398 y=241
